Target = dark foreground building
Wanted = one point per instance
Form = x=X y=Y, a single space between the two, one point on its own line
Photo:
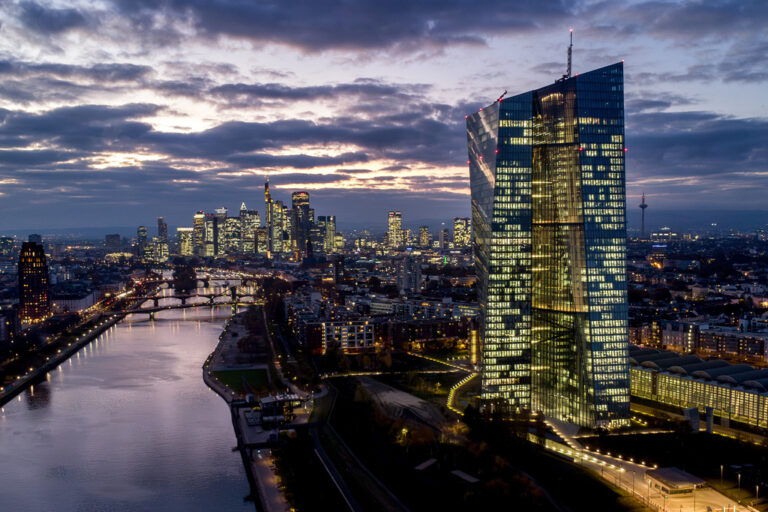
x=34 y=289
x=548 y=210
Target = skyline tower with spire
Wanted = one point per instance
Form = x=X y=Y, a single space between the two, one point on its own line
x=643 y=206
x=549 y=234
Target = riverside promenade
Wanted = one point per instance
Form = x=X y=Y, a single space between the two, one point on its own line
x=252 y=441
x=10 y=391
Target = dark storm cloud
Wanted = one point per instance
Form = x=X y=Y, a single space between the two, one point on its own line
x=105 y=128
x=25 y=158
x=410 y=139
x=295 y=161
x=699 y=143
x=695 y=157
x=317 y=25
x=102 y=72
x=745 y=62
x=254 y=93
x=29 y=82
x=83 y=127
x=47 y=20
x=685 y=20
x=644 y=102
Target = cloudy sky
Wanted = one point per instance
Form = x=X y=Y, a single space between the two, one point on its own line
x=113 y=112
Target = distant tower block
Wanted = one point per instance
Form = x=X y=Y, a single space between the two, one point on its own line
x=643 y=206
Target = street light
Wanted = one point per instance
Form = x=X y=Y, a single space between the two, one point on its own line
x=721 y=474
x=739 y=475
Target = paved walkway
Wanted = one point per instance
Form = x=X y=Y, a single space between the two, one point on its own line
x=630 y=476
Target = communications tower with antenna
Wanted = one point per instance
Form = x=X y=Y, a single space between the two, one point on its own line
x=643 y=206
x=570 y=56
x=568 y=71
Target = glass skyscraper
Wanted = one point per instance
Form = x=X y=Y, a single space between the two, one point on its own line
x=549 y=218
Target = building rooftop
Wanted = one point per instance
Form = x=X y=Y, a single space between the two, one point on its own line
x=675 y=478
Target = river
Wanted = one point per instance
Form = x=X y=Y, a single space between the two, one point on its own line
x=126 y=424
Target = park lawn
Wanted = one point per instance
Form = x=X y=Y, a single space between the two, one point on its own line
x=233 y=379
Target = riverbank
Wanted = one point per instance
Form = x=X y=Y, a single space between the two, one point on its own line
x=12 y=390
x=252 y=442
x=126 y=424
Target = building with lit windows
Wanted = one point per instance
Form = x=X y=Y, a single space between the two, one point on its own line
x=161 y=249
x=162 y=229
x=461 y=232
x=249 y=221
x=300 y=222
x=424 y=237
x=737 y=393
x=262 y=241
x=348 y=336
x=395 y=230
x=34 y=287
x=210 y=236
x=443 y=237
x=142 y=242
x=549 y=230
x=185 y=236
x=198 y=236
x=326 y=234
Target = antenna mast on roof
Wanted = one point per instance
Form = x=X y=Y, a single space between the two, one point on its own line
x=570 y=54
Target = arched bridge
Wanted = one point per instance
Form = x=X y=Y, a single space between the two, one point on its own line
x=152 y=310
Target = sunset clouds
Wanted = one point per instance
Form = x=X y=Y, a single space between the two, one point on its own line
x=113 y=112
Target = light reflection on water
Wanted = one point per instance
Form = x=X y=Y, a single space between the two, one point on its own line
x=126 y=424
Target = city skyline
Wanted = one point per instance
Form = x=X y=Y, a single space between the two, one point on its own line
x=190 y=104
x=384 y=256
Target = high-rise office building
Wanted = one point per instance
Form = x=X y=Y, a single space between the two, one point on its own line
x=223 y=232
x=161 y=250
x=444 y=237
x=162 y=229
x=289 y=246
x=395 y=229
x=249 y=221
x=300 y=220
x=424 y=237
x=210 y=236
x=338 y=242
x=548 y=215
x=232 y=235
x=276 y=228
x=141 y=242
x=461 y=231
x=198 y=233
x=185 y=236
x=327 y=233
x=262 y=241
x=34 y=288
x=317 y=235
x=409 y=275
x=268 y=216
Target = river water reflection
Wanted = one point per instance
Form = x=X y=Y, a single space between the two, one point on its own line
x=126 y=424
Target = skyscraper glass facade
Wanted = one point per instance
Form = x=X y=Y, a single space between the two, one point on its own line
x=548 y=210
x=34 y=288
